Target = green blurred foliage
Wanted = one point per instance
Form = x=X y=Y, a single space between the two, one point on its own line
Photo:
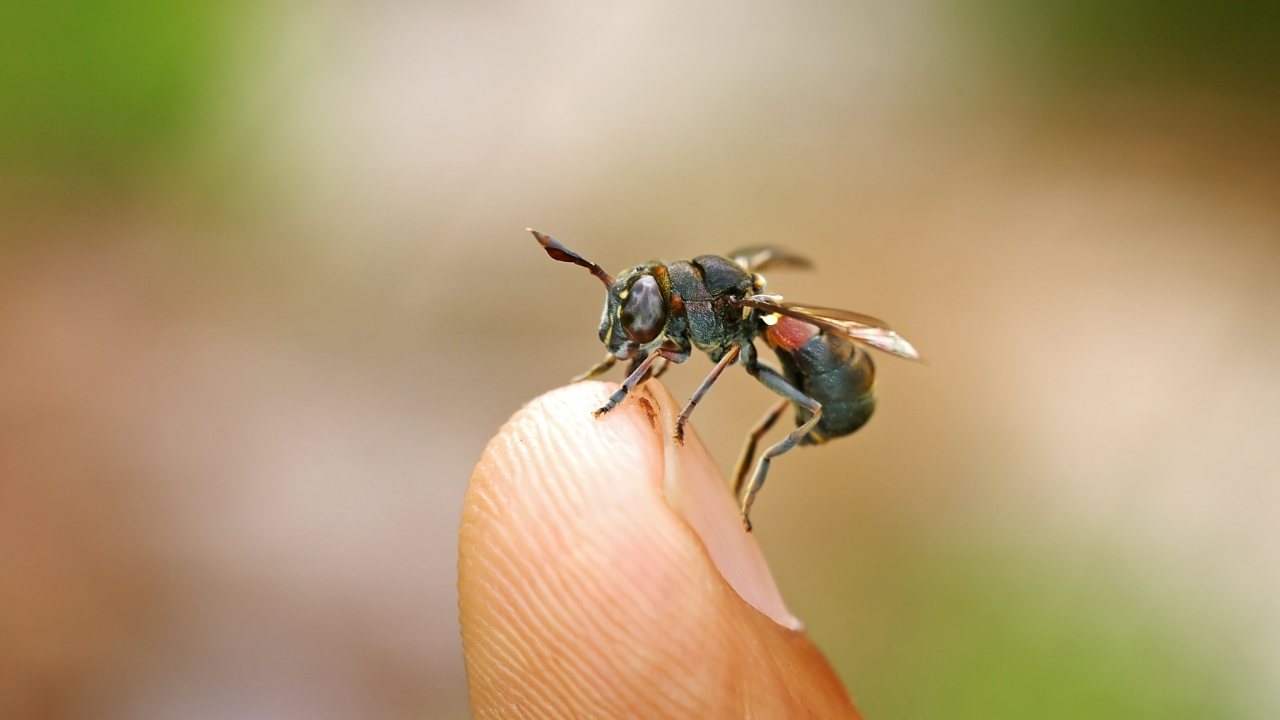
x=1100 y=43
x=98 y=89
x=986 y=633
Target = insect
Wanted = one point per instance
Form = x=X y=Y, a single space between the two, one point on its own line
x=656 y=313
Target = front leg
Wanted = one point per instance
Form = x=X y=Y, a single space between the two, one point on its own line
x=637 y=375
x=673 y=352
x=725 y=361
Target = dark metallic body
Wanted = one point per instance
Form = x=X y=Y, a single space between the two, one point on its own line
x=708 y=287
x=662 y=311
x=827 y=368
x=840 y=376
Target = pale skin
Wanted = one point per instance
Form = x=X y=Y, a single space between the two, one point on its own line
x=603 y=572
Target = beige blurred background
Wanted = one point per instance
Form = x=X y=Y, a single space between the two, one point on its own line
x=265 y=293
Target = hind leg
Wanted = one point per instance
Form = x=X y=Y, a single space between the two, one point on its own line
x=773 y=380
x=748 y=454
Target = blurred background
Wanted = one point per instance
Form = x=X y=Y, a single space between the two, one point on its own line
x=265 y=293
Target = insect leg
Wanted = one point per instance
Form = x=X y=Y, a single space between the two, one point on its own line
x=660 y=367
x=753 y=439
x=638 y=374
x=598 y=369
x=635 y=363
x=725 y=361
x=771 y=379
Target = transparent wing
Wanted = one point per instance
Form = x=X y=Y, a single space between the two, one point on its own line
x=855 y=326
x=761 y=257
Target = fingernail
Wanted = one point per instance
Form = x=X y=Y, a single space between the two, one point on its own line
x=695 y=489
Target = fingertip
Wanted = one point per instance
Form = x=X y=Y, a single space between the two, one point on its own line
x=555 y=463
x=695 y=489
x=567 y=553
x=568 y=466
x=603 y=571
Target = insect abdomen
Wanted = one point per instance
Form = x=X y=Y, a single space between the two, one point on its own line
x=831 y=370
x=847 y=393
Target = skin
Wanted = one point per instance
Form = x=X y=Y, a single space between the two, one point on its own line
x=603 y=572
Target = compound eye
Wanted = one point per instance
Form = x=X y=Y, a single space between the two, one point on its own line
x=643 y=314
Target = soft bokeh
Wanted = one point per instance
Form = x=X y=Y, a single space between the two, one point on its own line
x=265 y=293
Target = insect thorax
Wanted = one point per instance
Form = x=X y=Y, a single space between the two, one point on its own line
x=708 y=287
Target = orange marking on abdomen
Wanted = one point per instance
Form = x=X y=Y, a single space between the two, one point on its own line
x=789 y=333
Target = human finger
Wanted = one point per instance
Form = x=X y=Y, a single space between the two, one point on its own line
x=604 y=572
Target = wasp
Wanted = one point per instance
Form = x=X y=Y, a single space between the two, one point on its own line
x=656 y=313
